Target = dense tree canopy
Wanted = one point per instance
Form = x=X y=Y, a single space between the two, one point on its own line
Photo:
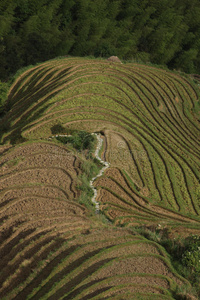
x=162 y=32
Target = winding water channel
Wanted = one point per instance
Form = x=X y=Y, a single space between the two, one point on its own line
x=106 y=165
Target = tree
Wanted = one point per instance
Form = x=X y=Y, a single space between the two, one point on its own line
x=163 y=32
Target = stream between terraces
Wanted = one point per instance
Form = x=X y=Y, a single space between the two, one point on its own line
x=106 y=165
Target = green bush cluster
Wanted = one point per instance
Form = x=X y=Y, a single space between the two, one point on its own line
x=80 y=140
x=184 y=252
x=191 y=256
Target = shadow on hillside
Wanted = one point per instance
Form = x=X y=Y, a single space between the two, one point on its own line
x=15 y=136
x=32 y=96
x=56 y=129
x=34 y=265
x=32 y=88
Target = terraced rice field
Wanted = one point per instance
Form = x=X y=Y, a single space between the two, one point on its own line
x=51 y=249
x=147 y=116
x=51 y=246
x=96 y=264
x=38 y=187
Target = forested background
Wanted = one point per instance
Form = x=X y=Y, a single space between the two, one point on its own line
x=163 y=32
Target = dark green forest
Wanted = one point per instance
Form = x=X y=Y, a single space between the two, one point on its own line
x=164 y=32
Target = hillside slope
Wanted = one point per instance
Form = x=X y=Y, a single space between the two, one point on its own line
x=52 y=245
x=147 y=116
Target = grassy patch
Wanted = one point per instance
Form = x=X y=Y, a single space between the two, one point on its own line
x=90 y=168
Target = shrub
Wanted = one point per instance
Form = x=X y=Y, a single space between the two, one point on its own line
x=80 y=140
x=185 y=257
x=191 y=256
